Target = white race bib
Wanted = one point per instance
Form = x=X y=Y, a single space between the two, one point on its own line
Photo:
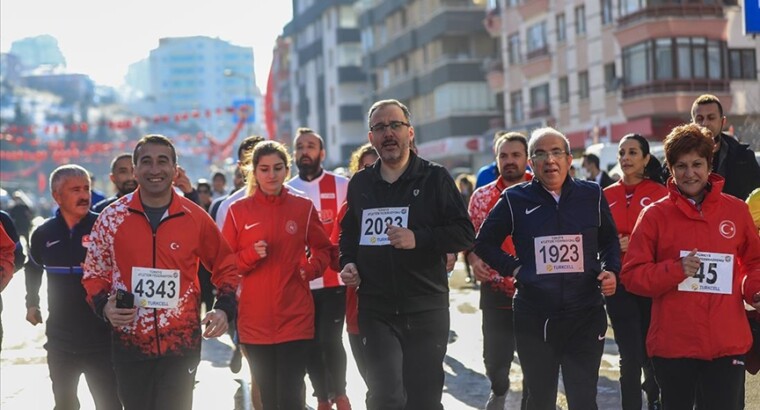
x=155 y=288
x=715 y=274
x=559 y=254
x=375 y=224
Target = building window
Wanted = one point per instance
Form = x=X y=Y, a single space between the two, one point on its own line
x=580 y=20
x=514 y=48
x=561 y=27
x=741 y=64
x=564 y=90
x=680 y=58
x=537 y=39
x=583 y=85
x=516 y=107
x=631 y=6
x=610 y=79
x=539 y=101
x=606 y=11
x=663 y=59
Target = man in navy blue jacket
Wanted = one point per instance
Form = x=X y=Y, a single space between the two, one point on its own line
x=566 y=250
x=77 y=340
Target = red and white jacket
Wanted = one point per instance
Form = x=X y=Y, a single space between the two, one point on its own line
x=494 y=293
x=275 y=304
x=685 y=324
x=123 y=238
x=328 y=193
x=625 y=211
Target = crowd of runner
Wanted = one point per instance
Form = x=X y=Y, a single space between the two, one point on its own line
x=669 y=254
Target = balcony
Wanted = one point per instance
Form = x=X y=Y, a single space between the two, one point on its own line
x=494 y=70
x=676 y=85
x=660 y=11
x=671 y=97
x=532 y=8
x=539 y=112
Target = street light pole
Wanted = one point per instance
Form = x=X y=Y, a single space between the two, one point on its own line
x=249 y=109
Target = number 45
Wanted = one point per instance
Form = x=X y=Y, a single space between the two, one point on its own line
x=712 y=273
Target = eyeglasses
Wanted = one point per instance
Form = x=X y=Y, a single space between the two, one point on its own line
x=543 y=155
x=393 y=125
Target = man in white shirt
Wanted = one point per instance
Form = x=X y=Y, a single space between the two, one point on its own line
x=327 y=366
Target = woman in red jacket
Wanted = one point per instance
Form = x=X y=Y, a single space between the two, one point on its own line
x=630 y=314
x=269 y=232
x=697 y=255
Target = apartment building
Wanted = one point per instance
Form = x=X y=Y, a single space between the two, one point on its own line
x=429 y=54
x=600 y=69
x=199 y=73
x=327 y=83
x=279 y=112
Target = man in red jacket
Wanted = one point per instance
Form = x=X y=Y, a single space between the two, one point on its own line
x=148 y=243
x=496 y=293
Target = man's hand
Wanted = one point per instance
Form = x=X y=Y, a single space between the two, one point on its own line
x=480 y=269
x=623 y=242
x=690 y=263
x=350 y=275
x=118 y=316
x=215 y=322
x=401 y=238
x=33 y=315
x=182 y=181
x=261 y=248
x=451 y=261
x=608 y=283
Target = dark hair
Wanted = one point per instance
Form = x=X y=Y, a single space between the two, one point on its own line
x=157 y=139
x=687 y=138
x=504 y=136
x=219 y=175
x=383 y=103
x=202 y=183
x=591 y=158
x=305 y=130
x=247 y=145
x=707 y=99
x=653 y=169
x=119 y=158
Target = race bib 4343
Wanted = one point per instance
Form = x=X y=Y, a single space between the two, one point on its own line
x=155 y=288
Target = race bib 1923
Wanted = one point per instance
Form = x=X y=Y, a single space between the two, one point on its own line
x=715 y=274
x=375 y=221
x=559 y=254
x=155 y=288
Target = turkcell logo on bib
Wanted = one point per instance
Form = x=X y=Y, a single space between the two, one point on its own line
x=375 y=224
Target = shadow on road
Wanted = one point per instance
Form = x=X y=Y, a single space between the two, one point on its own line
x=464 y=384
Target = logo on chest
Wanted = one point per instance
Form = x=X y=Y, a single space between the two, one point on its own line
x=291 y=227
x=727 y=229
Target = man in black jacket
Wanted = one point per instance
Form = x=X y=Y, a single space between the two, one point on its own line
x=733 y=161
x=404 y=215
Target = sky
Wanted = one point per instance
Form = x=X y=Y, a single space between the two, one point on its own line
x=102 y=38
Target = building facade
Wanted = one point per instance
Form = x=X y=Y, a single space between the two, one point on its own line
x=327 y=83
x=430 y=55
x=600 y=69
x=200 y=73
x=279 y=112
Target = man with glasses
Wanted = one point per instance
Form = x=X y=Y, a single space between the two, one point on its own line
x=566 y=249
x=404 y=214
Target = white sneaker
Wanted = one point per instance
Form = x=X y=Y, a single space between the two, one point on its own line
x=496 y=402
